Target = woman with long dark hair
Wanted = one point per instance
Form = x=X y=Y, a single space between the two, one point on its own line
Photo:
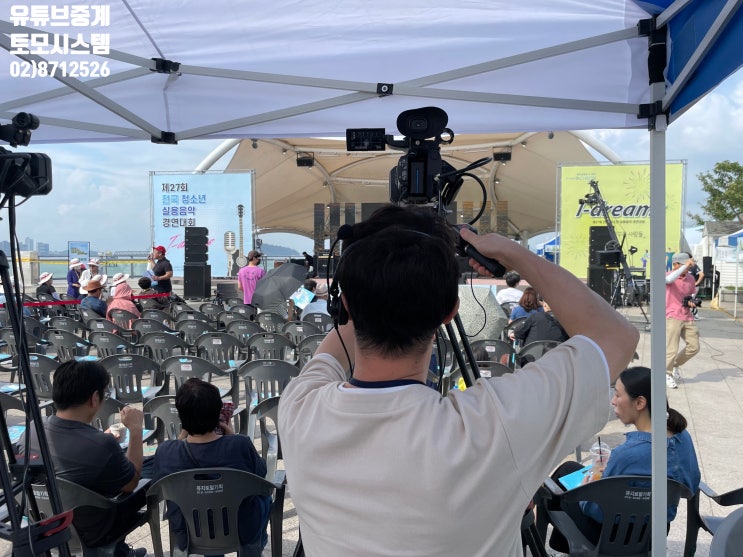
x=631 y=402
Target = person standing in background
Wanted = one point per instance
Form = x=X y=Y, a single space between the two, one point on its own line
x=162 y=271
x=73 y=278
x=248 y=276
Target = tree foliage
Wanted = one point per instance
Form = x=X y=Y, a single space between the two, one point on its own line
x=724 y=188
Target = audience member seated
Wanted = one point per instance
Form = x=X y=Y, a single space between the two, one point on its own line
x=631 y=404
x=121 y=298
x=528 y=304
x=206 y=442
x=84 y=455
x=320 y=303
x=46 y=287
x=511 y=294
x=93 y=300
x=540 y=325
x=159 y=302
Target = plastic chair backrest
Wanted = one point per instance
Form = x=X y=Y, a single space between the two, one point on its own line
x=126 y=377
x=320 y=320
x=270 y=321
x=66 y=323
x=250 y=311
x=42 y=367
x=493 y=369
x=191 y=329
x=145 y=325
x=182 y=368
x=191 y=314
x=67 y=344
x=728 y=539
x=625 y=498
x=219 y=348
x=122 y=318
x=106 y=415
x=159 y=316
x=271 y=346
x=242 y=330
x=168 y=424
x=212 y=497
x=49 y=310
x=307 y=347
x=162 y=345
x=211 y=310
x=494 y=350
x=226 y=317
x=267 y=409
x=535 y=350
x=108 y=344
x=710 y=523
x=265 y=378
x=296 y=331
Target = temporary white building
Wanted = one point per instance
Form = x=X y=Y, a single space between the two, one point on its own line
x=240 y=68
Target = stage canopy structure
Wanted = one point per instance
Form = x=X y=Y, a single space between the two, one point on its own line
x=237 y=69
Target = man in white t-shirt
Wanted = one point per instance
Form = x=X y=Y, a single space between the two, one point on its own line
x=379 y=463
x=511 y=294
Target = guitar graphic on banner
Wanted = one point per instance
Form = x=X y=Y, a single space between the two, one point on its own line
x=241 y=260
x=236 y=258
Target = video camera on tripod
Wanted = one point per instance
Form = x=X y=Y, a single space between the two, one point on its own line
x=421 y=175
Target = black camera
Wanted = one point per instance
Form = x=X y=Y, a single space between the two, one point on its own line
x=696 y=300
x=23 y=174
x=420 y=176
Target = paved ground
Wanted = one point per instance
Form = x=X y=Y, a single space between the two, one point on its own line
x=710 y=395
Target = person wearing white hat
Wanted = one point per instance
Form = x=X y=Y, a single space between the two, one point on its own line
x=89 y=273
x=46 y=287
x=73 y=277
x=117 y=279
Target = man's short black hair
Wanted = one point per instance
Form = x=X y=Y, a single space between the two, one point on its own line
x=401 y=283
x=198 y=404
x=75 y=382
x=512 y=278
x=144 y=283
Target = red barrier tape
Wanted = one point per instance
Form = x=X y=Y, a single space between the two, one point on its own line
x=66 y=302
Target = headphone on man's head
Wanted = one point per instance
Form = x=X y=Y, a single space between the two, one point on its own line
x=336 y=309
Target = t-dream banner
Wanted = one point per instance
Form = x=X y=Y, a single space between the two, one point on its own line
x=223 y=203
x=625 y=189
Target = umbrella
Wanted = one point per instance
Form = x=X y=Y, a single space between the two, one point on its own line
x=274 y=289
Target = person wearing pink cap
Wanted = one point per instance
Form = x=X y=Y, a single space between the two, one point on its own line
x=162 y=271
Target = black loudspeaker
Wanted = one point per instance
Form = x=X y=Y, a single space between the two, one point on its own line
x=598 y=237
x=195 y=249
x=197 y=280
x=707 y=266
x=599 y=280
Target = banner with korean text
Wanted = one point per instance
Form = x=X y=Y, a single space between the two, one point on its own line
x=625 y=189
x=221 y=202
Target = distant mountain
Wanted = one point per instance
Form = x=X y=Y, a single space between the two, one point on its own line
x=278 y=251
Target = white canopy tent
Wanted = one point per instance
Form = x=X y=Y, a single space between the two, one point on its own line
x=285 y=193
x=236 y=68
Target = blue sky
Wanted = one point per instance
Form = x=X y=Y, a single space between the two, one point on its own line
x=101 y=190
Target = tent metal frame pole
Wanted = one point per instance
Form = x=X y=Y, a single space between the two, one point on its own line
x=658 y=324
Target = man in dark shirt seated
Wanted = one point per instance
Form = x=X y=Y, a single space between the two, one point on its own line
x=540 y=326
x=93 y=300
x=201 y=446
x=86 y=456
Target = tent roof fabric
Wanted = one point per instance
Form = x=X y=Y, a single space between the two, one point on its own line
x=285 y=194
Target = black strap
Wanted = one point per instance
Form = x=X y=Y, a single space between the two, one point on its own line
x=383 y=384
x=190 y=454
